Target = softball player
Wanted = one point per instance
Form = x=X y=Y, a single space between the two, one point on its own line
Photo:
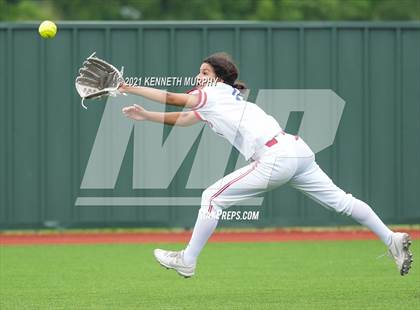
x=276 y=158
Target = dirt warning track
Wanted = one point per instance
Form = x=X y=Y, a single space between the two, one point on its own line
x=279 y=235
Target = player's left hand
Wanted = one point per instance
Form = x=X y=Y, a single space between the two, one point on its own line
x=123 y=88
x=135 y=112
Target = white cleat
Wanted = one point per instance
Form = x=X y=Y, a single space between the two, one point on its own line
x=174 y=260
x=399 y=250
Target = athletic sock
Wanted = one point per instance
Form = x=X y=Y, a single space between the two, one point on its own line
x=203 y=229
x=363 y=214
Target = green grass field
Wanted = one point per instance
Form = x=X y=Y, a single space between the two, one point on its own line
x=291 y=275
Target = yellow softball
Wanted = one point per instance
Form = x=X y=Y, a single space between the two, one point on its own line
x=47 y=29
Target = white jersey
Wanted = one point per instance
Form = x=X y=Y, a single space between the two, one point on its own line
x=245 y=125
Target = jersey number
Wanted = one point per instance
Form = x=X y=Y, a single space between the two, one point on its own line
x=237 y=94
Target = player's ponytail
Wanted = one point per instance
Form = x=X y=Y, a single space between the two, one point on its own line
x=225 y=69
x=240 y=85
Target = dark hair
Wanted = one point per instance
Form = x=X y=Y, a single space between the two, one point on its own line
x=225 y=69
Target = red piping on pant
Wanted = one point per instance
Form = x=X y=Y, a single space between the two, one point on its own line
x=229 y=184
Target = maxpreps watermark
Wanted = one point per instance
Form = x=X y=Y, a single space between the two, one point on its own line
x=231 y=215
x=239 y=215
x=167 y=81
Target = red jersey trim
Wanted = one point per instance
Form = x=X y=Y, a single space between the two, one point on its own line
x=202 y=100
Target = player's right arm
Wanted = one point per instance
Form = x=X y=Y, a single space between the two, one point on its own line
x=183 y=119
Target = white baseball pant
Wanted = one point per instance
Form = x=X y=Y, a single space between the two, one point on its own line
x=290 y=161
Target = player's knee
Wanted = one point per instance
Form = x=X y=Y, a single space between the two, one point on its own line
x=345 y=204
x=206 y=197
x=208 y=207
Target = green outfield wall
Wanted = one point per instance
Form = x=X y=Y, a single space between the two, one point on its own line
x=47 y=138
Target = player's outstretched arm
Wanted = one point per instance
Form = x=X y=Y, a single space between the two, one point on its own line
x=176 y=99
x=138 y=113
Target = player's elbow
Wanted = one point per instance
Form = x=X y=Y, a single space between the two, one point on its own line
x=186 y=119
x=184 y=123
